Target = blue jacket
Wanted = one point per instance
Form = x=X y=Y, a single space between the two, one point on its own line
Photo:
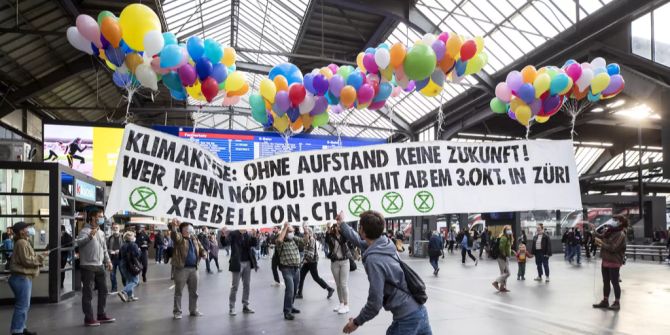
x=388 y=288
x=435 y=243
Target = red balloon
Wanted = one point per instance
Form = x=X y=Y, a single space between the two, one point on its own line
x=296 y=93
x=209 y=88
x=468 y=50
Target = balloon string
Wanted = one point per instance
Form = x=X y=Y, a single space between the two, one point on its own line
x=572 y=131
x=131 y=91
x=527 y=130
x=440 y=118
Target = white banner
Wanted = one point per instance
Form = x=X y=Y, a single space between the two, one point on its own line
x=164 y=176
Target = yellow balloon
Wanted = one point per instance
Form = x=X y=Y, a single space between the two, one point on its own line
x=102 y=54
x=516 y=103
x=359 y=61
x=479 y=41
x=599 y=82
x=431 y=90
x=195 y=91
x=110 y=65
x=136 y=20
x=235 y=81
x=475 y=64
x=454 y=46
x=541 y=84
x=387 y=73
x=567 y=88
x=268 y=90
x=229 y=56
x=523 y=115
x=542 y=119
x=281 y=123
x=326 y=72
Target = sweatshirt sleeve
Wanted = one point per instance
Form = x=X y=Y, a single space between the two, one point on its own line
x=26 y=256
x=104 y=248
x=352 y=236
x=375 y=294
x=83 y=238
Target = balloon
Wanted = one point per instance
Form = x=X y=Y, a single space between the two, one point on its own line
x=213 y=50
x=77 y=41
x=293 y=114
x=115 y=56
x=171 y=56
x=359 y=61
x=446 y=64
x=345 y=71
x=257 y=104
x=514 y=80
x=574 y=71
x=454 y=45
x=615 y=86
x=184 y=57
x=438 y=77
x=136 y=20
x=320 y=106
x=365 y=93
x=172 y=81
x=219 y=73
x=382 y=58
x=187 y=74
x=385 y=90
x=111 y=31
x=230 y=101
x=132 y=61
x=443 y=36
x=468 y=50
x=328 y=72
x=585 y=79
x=370 y=64
x=431 y=89
x=297 y=125
x=396 y=91
x=195 y=91
x=511 y=115
x=288 y=70
x=229 y=56
x=529 y=73
x=503 y=92
x=527 y=93
x=498 y=106
x=280 y=83
x=336 y=85
x=536 y=106
x=169 y=38
x=204 y=68
x=103 y=14
x=308 y=81
x=178 y=95
x=337 y=109
x=428 y=38
x=475 y=64
x=598 y=63
x=541 y=84
x=550 y=105
x=320 y=84
x=110 y=65
x=599 y=83
x=355 y=79
x=348 y=96
x=307 y=104
x=241 y=91
x=377 y=105
x=282 y=103
x=153 y=43
x=195 y=47
x=523 y=115
x=439 y=48
x=613 y=69
x=559 y=83
x=419 y=62
x=593 y=97
x=333 y=68
x=320 y=120
x=268 y=90
x=479 y=42
x=121 y=79
x=460 y=67
x=577 y=94
x=89 y=29
x=421 y=84
x=397 y=54
x=235 y=81
x=296 y=93
x=210 y=88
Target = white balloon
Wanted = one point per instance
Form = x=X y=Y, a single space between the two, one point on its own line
x=382 y=58
x=599 y=63
x=78 y=41
x=585 y=80
x=429 y=38
x=153 y=43
x=307 y=105
x=146 y=76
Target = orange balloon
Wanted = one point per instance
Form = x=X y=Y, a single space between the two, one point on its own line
x=348 y=96
x=111 y=30
x=307 y=120
x=281 y=83
x=446 y=64
x=529 y=73
x=242 y=91
x=579 y=95
x=297 y=124
x=268 y=105
x=397 y=53
x=132 y=61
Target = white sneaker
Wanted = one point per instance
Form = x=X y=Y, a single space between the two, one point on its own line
x=538 y=279
x=338 y=307
x=343 y=310
x=546 y=280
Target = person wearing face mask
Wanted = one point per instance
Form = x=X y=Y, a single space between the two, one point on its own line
x=93 y=260
x=339 y=266
x=541 y=249
x=612 y=243
x=24 y=266
x=242 y=261
x=129 y=256
x=187 y=254
x=288 y=247
x=506 y=239
x=114 y=243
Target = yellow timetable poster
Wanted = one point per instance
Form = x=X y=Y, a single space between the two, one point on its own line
x=106 y=152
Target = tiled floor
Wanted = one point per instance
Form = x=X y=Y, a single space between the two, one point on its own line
x=461 y=301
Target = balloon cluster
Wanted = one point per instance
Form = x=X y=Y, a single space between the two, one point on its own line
x=133 y=46
x=538 y=94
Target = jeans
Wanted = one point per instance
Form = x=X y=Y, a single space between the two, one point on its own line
x=185 y=276
x=112 y=274
x=292 y=280
x=245 y=275
x=541 y=261
x=568 y=252
x=93 y=277
x=214 y=258
x=22 y=288
x=577 y=251
x=159 y=254
x=340 y=271
x=433 y=262
x=416 y=323
x=130 y=281
x=469 y=252
x=610 y=275
x=521 y=273
x=312 y=268
x=503 y=264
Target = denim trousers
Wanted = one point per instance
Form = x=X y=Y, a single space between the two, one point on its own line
x=22 y=288
x=291 y=276
x=414 y=324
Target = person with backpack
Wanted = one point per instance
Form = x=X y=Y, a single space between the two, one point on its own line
x=541 y=249
x=504 y=248
x=387 y=275
x=466 y=247
x=435 y=246
x=130 y=264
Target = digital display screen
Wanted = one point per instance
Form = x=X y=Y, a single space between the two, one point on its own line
x=235 y=146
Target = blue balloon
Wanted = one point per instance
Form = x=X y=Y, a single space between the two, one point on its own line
x=332 y=100
x=171 y=56
x=293 y=113
x=383 y=46
x=204 y=68
x=308 y=82
x=172 y=81
x=213 y=50
x=527 y=93
x=169 y=38
x=460 y=67
x=219 y=73
x=125 y=47
x=593 y=98
x=559 y=83
x=569 y=62
x=96 y=52
x=121 y=79
x=385 y=90
x=420 y=84
x=270 y=121
x=115 y=56
x=104 y=41
x=289 y=71
x=370 y=50
x=178 y=94
x=613 y=69
x=195 y=47
x=355 y=79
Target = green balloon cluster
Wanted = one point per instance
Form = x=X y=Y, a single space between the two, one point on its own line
x=258 y=108
x=419 y=62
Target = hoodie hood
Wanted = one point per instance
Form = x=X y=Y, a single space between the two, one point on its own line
x=382 y=245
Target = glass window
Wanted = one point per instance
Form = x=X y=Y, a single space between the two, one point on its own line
x=661 y=38
x=641 y=36
x=24 y=205
x=24 y=181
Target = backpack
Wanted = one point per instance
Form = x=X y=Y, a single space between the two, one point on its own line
x=415 y=285
x=133 y=265
x=495 y=248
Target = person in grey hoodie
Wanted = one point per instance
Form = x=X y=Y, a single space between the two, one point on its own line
x=388 y=287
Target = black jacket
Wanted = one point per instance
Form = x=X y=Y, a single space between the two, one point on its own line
x=331 y=240
x=546 y=245
x=238 y=244
x=142 y=241
x=204 y=240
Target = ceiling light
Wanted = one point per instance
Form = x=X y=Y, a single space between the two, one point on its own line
x=616 y=104
x=639 y=112
x=597 y=110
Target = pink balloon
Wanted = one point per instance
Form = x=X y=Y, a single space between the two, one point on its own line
x=377 y=105
x=365 y=93
x=443 y=36
x=229 y=101
x=336 y=109
x=396 y=91
x=615 y=86
x=156 y=66
x=333 y=68
x=187 y=74
x=503 y=92
x=370 y=64
x=88 y=28
x=574 y=71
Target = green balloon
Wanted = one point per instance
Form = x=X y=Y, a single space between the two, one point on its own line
x=104 y=14
x=320 y=120
x=345 y=71
x=258 y=108
x=498 y=106
x=419 y=62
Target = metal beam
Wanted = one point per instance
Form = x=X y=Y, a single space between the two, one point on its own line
x=234 y=21
x=293 y=55
x=620 y=171
x=20 y=31
x=253 y=68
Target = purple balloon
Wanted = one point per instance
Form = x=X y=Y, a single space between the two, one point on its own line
x=511 y=114
x=419 y=85
x=293 y=113
x=369 y=63
x=219 y=73
x=616 y=83
x=282 y=102
x=536 y=106
x=526 y=92
x=187 y=74
x=549 y=104
x=320 y=106
x=336 y=85
x=410 y=86
x=514 y=80
x=104 y=41
x=320 y=84
x=439 y=47
x=308 y=82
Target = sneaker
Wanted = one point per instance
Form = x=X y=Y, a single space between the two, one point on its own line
x=330 y=292
x=602 y=304
x=91 y=323
x=27 y=332
x=546 y=280
x=523 y=278
x=123 y=296
x=112 y=292
x=289 y=316
x=615 y=306
x=496 y=285
x=343 y=310
x=437 y=271
x=219 y=270
x=134 y=298
x=518 y=278
x=232 y=312
x=105 y=319
x=338 y=307
x=295 y=311
x=298 y=296
x=538 y=279
x=476 y=262
x=247 y=310
x=275 y=284
x=176 y=316
x=196 y=314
